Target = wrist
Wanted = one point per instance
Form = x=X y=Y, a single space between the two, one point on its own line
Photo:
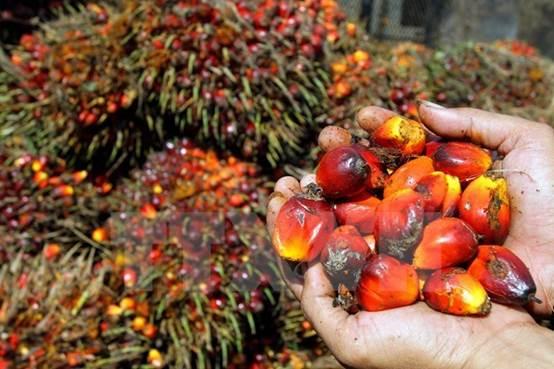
x=526 y=345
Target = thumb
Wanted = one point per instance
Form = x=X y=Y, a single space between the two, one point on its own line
x=494 y=131
x=329 y=321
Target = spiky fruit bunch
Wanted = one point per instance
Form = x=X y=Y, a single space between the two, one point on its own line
x=190 y=242
x=44 y=206
x=74 y=79
x=106 y=83
x=243 y=74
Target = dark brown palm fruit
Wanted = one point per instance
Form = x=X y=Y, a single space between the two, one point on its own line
x=505 y=277
x=344 y=255
x=399 y=224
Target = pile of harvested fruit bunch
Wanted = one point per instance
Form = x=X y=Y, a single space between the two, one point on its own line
x=406 y=216
x=188 y=242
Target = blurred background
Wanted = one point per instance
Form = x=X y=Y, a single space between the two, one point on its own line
x=433 y=22
x=442 y=22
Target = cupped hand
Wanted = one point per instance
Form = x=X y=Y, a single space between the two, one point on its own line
x=416 y=336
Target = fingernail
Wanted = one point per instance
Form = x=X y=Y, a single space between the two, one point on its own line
x=429 y=104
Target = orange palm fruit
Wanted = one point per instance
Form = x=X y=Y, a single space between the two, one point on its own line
x=386 y=283
x=505 y=277
x=79 y=176
x=441 y=193
x=302 y=228
x=401 y=133
x=64 y=190
x=399 y=223
x=408 y=175
x=344 y=255
x=378 y=172
x=455 y=291
x=148 y=211
x=155 y=358
x=342 y=172
x=446 y=242
x=485 y=206
x=100 y=234
x=51 y=251
x=359 y=212
x=461 y=159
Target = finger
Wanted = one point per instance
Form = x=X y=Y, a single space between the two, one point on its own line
x=288 y=186
x=276 y=201
x=494 y=131
x=317 y=304
x=332 y=137
x=371 y=117
x=306 y=181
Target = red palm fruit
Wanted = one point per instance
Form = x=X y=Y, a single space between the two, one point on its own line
x=378 y=172
x=408 y=175
x=455 y=291
x=461 y=159
x=401 y=133
x=485 y=205
x=386 y=283
x=446 y=242
x=359 y=212
x=399 y=223
x=504 y=276
x=441 y=193
x=342 y=172
x=302 y=228
x=344 y=255
x=431 y=147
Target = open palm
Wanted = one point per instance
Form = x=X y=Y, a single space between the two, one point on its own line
x=415 y=336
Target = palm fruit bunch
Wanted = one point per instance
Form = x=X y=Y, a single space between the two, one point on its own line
x=187 y=241
x=103 y=84
x=430 y=228
x=76 y=92
x=492 y=77
x=45 y=207
x=245 y=75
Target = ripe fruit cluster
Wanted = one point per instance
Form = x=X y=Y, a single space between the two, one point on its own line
x=243 y=75
x=430 y=228
x=179 y=276
x=184 y=227
x=44 y=206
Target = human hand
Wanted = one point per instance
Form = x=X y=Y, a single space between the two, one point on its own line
x=415 y=336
